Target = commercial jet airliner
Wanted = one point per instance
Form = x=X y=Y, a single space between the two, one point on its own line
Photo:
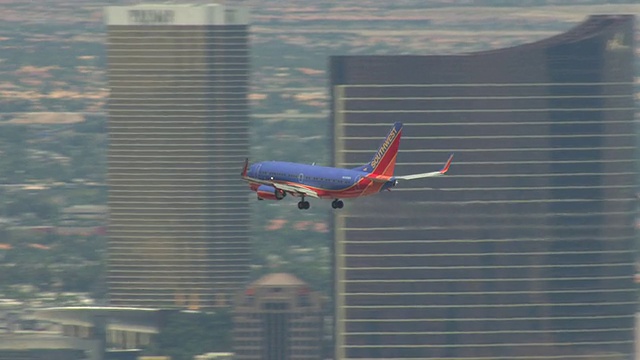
x=273 y=180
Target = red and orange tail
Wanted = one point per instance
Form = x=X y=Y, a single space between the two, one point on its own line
x=384 y=160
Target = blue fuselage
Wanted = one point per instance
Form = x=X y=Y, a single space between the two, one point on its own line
x=328 y=181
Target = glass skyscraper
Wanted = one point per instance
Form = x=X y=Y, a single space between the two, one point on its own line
x=526 y=250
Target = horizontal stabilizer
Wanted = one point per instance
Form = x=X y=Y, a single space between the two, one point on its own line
x=442 y=171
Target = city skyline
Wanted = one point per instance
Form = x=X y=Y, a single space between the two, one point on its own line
x=62 y=102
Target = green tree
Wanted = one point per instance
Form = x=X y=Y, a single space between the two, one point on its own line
x=186 y=334
x=43 y=207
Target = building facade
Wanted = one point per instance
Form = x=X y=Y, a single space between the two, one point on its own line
x=526 y=250
x=179 y=131
x=278 y=318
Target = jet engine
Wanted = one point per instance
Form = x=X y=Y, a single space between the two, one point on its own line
x=270 y=193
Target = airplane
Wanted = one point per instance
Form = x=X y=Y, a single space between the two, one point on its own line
x=273 y=180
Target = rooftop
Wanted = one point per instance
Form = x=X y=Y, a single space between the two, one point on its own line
x=279 y=279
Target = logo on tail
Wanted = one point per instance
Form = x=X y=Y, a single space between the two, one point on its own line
x=384 y=161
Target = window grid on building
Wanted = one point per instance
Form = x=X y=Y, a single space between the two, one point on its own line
x=179 y=132
x=525 y=251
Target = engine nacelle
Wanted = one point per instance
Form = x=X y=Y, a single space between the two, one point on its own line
x=267 y=192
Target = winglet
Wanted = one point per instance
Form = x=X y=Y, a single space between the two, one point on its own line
x=445 y=168
x=246 y=168
x=442 y=171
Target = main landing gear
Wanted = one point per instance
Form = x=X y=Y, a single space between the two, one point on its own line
x=303 y=205
x=337 y=204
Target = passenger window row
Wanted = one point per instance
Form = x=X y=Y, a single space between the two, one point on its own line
x=284 y=175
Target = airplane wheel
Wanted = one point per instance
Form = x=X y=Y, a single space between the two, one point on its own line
x=337 y=204
x=340 y=204
x=303 y=205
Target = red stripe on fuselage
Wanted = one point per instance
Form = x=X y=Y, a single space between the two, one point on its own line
x=363 y=187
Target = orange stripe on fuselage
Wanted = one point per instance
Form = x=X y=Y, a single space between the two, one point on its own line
x=349 y=192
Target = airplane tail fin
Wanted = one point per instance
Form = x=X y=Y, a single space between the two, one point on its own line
x=384 y=160
x=245 y=168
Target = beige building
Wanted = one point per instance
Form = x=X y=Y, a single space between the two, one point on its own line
x=278 y=318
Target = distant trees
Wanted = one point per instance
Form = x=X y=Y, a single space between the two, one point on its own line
x=44 y=208
x=53 y=262
x=186 y=334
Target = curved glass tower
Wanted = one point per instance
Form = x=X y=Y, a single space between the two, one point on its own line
x=525 y=251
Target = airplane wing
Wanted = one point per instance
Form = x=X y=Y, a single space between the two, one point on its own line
x=442 y=171
x=295 y=189
x=378 y=178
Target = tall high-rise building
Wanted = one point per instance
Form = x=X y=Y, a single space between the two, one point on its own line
x=278 y=318
x=179 y=131
x=526 y=250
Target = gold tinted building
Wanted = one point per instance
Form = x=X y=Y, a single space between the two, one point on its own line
x=178 y=128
